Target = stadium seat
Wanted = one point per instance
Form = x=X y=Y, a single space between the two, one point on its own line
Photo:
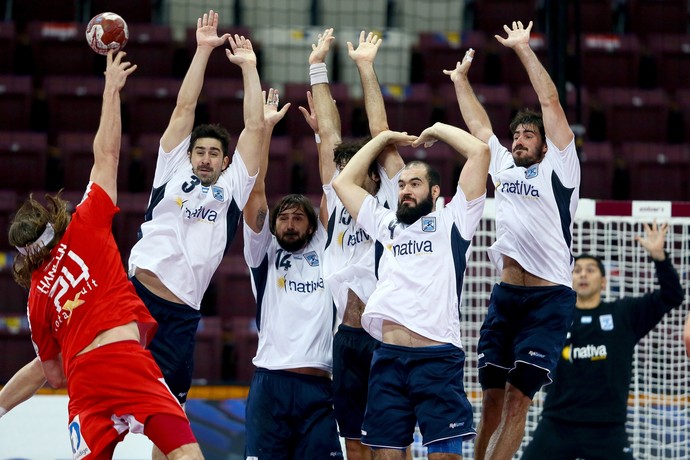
x=24 y=12
x=7 y=45
x=127 y=222
x=671 y=54
x=74 y=103
x=408 y=108
x=393 y=59
x=23 y=157
x=528 y=99
x=596 y=16
x=181 y=15
x=609 y=60
x=305 y=175
x=279 y=165
x=431 y=15
x=441 y=51
x=141 y=168
x=658 y=171
x=361 y=14
x=496 y=100
x=596 y=164
x=225 y=101
x=244 y=337
x=15 y=92
x=76 y=153
x=17 y=350
x=8 y=206
x=208 y=350
x=658 y=16
x=141 y=11
x=276 y=13
x=218 y=64
x=441 y=156
x=150 y=47
x=59 y=48
x=682 y=98
x=634 y=114
x=296 y=93
x=492 y=15
x=151 y=102
x=232 y=281
x=285 y=52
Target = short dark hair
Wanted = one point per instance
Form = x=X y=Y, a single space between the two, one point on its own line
x=294 y=201
x=598 y=260
x=528 y=117
x=432 y=174
x=214 y=132
x=343 y=153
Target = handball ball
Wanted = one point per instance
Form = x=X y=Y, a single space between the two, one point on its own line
x=107 y=31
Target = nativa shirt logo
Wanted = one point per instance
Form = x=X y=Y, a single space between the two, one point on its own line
x=587 y=352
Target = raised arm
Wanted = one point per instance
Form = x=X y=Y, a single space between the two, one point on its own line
x=182 y=119
x=249 y=142
x=23 y=385
x=670 y=289
x=472 y=179
x=324 y=108
x=256 y=209
x=348 y=184
x=472 y=111
x=555 y=123
x=364 y=56
x=106 y=144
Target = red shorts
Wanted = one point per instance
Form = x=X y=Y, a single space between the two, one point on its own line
x=115 y=389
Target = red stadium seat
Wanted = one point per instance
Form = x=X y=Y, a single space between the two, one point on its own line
x=58 y=48
x=15 y=92
x=141 y=11
x=682 y=98
x=634 y=114
x=8 y=206
x=7 y=45
x=658 y=171
x=151 y=48
x=408 y=108
x=672 y=57
x=225 y=100
x=218 y=64
x=208 y=350
x=23 y=157
x=233 y=287
x=496 y=100
x=596 y=16
x=528 y=99
x=151 y=102
x=127 y=222
x=596 y=163
x=658 y=16
x=279 y=166
x=610 y=60
x=24 y=12
x=296 y=93
x=442 y=51
x=492 y=15
x=74 y=104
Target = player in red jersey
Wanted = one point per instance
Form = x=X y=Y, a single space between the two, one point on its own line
x=88 y=325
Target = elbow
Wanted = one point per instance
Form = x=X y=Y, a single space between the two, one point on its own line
x=57 y=382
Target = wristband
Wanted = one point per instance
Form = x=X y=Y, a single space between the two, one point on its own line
x=3 y=411
x=318 y=73
x=317 y=138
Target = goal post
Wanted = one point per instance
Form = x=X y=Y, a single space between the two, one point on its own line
x=658 y=406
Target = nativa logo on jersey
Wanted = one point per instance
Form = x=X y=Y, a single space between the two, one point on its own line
x=412 y=247
x=590 y=352
x=359 y=236
x=519 y=188
x=201 y=213
x=302 y=287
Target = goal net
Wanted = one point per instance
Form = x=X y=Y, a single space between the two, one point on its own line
x=658 y=406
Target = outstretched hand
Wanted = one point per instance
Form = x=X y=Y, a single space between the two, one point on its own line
x=654 y=241
x=427 y=138
x=366 y=49
x=241 y=52
x=462 y=67
x=322 y=46
x=207 y=31
x=271 y=113
x=398 y=138
x=517 y=35
x=117 y=70
x=310 y=115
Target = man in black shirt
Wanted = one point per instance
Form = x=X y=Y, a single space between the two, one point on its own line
x=588 y=420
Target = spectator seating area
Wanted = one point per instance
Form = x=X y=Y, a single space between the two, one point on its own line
x=628 y=87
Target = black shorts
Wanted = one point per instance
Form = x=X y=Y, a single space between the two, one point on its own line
x=173 y=345
x=290 y=416
x=416 y=385
x=353 y=349
x=560 y=440
x=525 y=325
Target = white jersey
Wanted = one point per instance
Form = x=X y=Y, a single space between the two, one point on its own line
x=349 y=261
x=422 y=268
x=535 y=208
x=295 y=314
x=188 y=227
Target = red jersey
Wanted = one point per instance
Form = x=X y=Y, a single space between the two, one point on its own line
x=83 y=288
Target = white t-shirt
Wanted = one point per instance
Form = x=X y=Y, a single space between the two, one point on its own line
x=188 y=227
x=349 y=261
x=422 y=268
x=535 y=208
x=295 y=313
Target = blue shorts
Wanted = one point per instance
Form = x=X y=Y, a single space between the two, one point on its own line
x=290 y=416
x=524 y=325
x=173 y=345
x=416 y=385
x=353 y=349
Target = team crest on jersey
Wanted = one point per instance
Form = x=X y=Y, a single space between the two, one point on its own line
x=428 y=224
x=79 y=447
x=312 y=258
x=532 y=171
x=204 y=190
x=218 y=193
x=606 y=322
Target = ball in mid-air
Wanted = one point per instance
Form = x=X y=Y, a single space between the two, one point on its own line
x=107 y=31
